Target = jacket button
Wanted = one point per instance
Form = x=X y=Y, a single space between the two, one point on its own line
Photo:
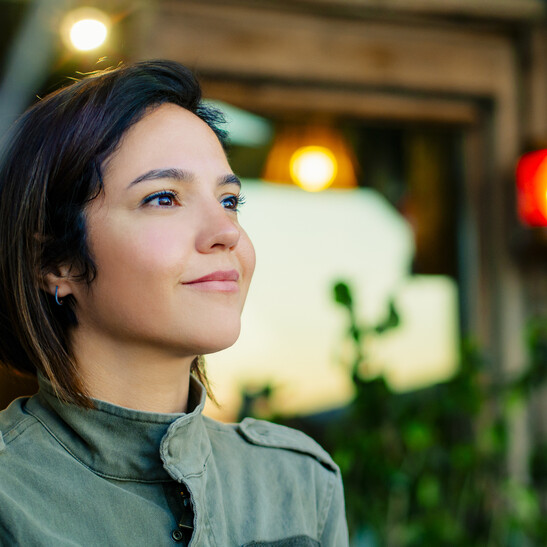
x=177 y=535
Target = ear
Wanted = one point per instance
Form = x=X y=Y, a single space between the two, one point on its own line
x=59 y=279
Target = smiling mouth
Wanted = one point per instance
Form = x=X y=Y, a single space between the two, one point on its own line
x=221 y=281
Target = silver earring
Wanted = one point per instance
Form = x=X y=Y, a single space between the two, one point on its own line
x=58 y=301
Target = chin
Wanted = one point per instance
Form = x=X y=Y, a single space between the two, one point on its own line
x=221 y=340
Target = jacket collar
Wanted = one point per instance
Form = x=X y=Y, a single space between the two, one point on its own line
x=125 y=444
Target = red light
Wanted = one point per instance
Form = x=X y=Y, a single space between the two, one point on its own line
x=532 y=188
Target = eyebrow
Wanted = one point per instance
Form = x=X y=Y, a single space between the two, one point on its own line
x=229 y=179
x=182 y=176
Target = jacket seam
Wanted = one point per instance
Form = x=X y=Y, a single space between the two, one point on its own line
x=178 y=476
x=298 y=442
x=18 y=429
x=302 y=450
x=323 y=516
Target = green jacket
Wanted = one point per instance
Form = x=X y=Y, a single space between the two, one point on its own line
x=112 y=476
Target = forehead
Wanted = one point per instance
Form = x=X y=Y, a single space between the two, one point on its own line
x=168 y=136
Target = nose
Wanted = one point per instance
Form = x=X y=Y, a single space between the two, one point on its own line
x=218 y=229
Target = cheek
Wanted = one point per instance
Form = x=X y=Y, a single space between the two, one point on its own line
x=247 y=256
x=129 y=254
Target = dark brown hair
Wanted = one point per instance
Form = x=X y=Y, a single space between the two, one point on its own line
x=50 y=169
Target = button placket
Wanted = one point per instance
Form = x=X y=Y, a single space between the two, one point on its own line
x=185 y=528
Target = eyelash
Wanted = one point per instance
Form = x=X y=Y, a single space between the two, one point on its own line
x=161 y=194
x=237 y=199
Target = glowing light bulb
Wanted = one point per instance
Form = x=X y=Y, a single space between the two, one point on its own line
x=531 y=179
x=88 y=34
x=542 y=183
x=313 y=168
x=85 y=29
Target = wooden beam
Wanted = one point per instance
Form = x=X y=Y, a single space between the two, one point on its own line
x=517 y=10
x=376 y=105
x=257 y=42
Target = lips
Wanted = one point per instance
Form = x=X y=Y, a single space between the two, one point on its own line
x=231 y=275
x=222 y=281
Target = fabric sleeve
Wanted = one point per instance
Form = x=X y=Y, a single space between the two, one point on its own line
x=335 y=531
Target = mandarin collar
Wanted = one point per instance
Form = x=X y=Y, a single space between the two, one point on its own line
x=124 y=444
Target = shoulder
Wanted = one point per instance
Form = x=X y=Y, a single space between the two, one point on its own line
x=19 y=447
x=23 y=441
x=14 y=422
x=270 y=436
x=279 y=463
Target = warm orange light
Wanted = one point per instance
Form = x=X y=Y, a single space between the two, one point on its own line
x=532 y=188
x=314 y=157
x=313 y=168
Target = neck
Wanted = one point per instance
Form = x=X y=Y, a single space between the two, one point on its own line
x=133 y=376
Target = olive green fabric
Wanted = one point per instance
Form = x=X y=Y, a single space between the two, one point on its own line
x=111 y=477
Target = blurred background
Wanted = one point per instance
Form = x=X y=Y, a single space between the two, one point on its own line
x=394 y=159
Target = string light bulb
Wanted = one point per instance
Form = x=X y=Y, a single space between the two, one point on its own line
x=315 y=157
x=313 y=168
x=85 y=29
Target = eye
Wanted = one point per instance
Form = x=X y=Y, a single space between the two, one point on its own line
x=233 y=202
x=164 y=199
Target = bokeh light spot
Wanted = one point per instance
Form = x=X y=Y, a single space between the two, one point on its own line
x=88 y=34
x=85 y=29
x=313 y=168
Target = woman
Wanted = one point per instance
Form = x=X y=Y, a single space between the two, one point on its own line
x=122 y=262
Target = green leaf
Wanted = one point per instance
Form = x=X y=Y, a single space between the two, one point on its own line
x=393 y=320
x=342 y=294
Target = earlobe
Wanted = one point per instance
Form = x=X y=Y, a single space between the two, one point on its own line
x=58 y=301
x=58 y=284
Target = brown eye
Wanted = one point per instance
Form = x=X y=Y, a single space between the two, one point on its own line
x=165 y=201
x=233 y=202
x=161 y=199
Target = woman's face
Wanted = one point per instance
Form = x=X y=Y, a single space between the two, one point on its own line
x=173 y=263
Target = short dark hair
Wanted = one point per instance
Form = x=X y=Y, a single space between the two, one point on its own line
x=50 y=169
